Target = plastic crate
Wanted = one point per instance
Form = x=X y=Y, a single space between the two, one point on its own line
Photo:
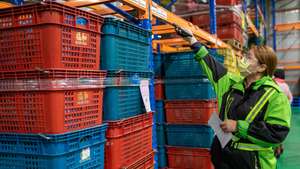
x=158 y=65
x=50 y=112
x=159 y=90
x=80 y=149
x=160 y=134
x=122 y=102
x=124 y=46
x=184 y=65
x=181 y=89
x=128 y=140
x=49 y=35
x=160 y=112
x=228 y=2
x=190 y=111
x=189 y=135
x=146 y=162
x=296 y=102
x=191 y=158
x=223 y=18
x=162 y=157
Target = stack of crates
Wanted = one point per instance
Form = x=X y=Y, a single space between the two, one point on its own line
x=190 y=100
x=125 y=54
x=51 y=107
x=160 y=118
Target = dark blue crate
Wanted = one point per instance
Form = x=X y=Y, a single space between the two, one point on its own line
x=178 y=89
x=184 y=65
x=124 y=46
x=189 y=135
x=160 y=134
x=296 y=102
x=80 y=149
x=160 y=113
x=122 y=102
x=162 y=157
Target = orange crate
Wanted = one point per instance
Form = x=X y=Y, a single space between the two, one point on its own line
x=191 y=158
x=146 y=162
x=49 y=35
x=127 y=141
x=159 y=91
x=50 y=111
x=190 y=111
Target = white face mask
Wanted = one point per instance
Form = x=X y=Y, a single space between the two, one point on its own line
x=243 y=66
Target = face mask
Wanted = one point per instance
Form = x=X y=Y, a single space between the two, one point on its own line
x=243 y=66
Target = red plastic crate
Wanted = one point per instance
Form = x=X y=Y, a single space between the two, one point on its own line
x=190 y=112
x=228 y=2
x=49 y=35
x=227 y=32
x=159 y=91
x=128 y=140
x=191 y=158
x=50 y=111
x=223 y=18
x=146 y=162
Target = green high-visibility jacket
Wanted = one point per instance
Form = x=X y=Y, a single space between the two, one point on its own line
x=267 y=130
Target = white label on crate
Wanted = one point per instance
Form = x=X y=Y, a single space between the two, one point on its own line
x=81 y=38
x=144 y=88
x=159 y=12
x=85 y=154
x=140 y=2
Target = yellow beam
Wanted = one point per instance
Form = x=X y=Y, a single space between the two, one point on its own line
x=5 y=5
x=252 y=26
x=287 y=26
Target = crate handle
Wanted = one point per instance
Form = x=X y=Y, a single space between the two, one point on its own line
x=81 y=21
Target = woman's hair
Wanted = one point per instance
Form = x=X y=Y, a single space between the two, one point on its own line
x=266 y=55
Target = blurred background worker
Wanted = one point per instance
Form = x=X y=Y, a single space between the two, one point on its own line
x=279 y=77
x=253 y=107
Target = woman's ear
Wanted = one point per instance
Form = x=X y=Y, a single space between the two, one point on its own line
x=262 y=68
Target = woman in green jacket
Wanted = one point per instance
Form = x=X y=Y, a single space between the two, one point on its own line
x=251 y=106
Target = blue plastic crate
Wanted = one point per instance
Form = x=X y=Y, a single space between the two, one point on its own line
x=162 y=157
x=122 y=102
x=189 y=135
x=178 y=89
x=184 y=65
x=160 y=113
x=124 y=46
x=296 y=102
x=80 y=149
x=158 y=64
x=160 y=134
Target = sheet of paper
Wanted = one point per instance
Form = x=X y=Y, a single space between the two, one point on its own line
x=144 y=88
x=215 y=122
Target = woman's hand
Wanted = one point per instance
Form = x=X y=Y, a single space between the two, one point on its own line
x=229 y=126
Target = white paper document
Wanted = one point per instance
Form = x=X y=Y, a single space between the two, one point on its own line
x=215 y=122
x=144 y=88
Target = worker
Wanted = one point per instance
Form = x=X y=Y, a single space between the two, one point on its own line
x=279 y=78
x=252 y=107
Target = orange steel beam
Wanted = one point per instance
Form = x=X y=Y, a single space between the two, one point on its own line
x=174 y=41
x=287 y=26
x=107 y=11
x=288 y=49
x=169 y=49
x=294 y=67
x=252 y=26
x=5 y=5
x=288 y=61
